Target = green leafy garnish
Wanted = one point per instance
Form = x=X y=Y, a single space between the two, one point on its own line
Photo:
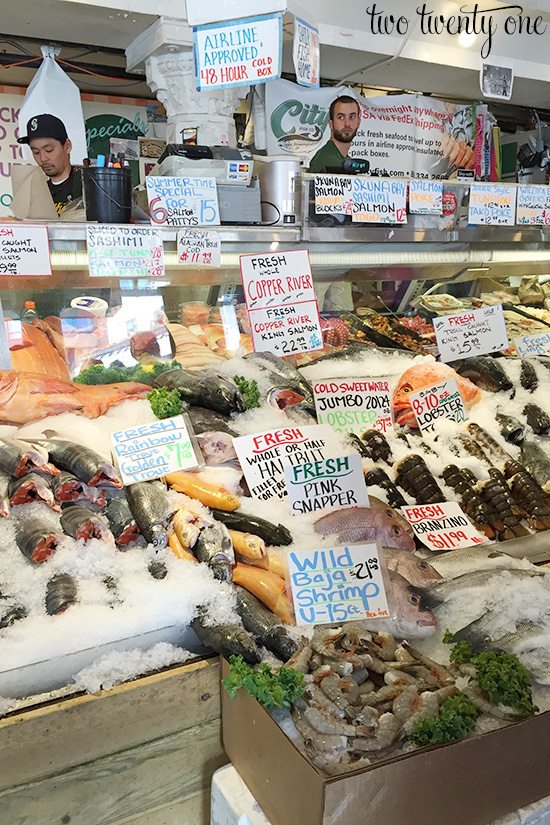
x=272 y=689
x=249 y=391
x=98 y=374
x=461 y=653
x=165 y=403
x=457 y=718
x=447 y=636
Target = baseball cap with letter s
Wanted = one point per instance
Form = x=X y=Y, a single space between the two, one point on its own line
x=45 y=126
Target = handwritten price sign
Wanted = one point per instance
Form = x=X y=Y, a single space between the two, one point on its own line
x=476 y=332
x=440 y=401
x=333 y=195
x=124 y=252
x=426 y=197
x=379 y=200
x=442 y=526
x=151 y=451
x=353 y=405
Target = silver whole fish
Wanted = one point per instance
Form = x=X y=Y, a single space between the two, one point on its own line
x=415 y=570
x=445 y=590
x=410 y=617
x=215 y=548
x=352 y=524
x=537 y=462
x=278 y=366
x=226 y=639
x=149 y=505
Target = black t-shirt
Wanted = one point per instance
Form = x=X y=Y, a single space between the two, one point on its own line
x=68 y=190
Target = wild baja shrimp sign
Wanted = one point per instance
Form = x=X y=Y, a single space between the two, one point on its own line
x=281 y=303
x=340 y=584
x=442 y=526
x=353 y=405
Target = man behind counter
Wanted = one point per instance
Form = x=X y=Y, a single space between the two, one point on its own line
x=344 y=119
x=51 y=148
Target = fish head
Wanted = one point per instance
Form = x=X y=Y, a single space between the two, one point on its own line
x=391 y=534
x=412 y=616
x=415 y=570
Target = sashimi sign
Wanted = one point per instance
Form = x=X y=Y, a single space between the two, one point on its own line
x=281 y=302
x=238 y=53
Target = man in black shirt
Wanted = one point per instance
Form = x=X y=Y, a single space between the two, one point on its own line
x=51 y=148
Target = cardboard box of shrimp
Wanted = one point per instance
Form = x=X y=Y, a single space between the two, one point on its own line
x=469 y=782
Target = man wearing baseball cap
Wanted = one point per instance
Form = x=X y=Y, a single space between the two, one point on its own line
x=51 y=149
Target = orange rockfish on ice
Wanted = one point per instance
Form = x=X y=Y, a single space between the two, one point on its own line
x=27 y=396
x=426 y=375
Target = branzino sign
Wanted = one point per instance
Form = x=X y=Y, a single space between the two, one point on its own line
x=401 y=135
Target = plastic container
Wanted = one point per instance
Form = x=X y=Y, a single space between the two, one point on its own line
x=107 y=194
x=29 y=312
x=194 y=312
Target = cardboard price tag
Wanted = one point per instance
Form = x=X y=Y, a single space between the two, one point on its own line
x=492 y=204
x=440 y=401
x=333 y=194
x=199 y=247
x=533 y=344
x=443 y=526
x=337 y=585
x=335 y=482
x=425 y=197
x=353 y=405
x=476 y=332
x=183 y=201
x=153 y=450
x=264 y=456
x=124 y=251
x=305 y=53
x=379 y=200
x=281 y=302
x=24 y=250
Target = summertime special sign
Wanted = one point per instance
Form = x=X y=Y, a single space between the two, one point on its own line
x=477 y=332
x=281 y=303
x=24 y=250
x=264 y=456
x=183 y=201
x=153 y=450
x=353 y=405
x=335 y=482
x=337 y=585
x=124 y=251
x=238 y=53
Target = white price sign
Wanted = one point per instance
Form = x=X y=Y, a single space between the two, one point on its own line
x=425 y=197
x=353 y=405
x=281 y=302
x=442 y=526
x=199 y=247
x=305 y=53
x=379 y=200
x=340 y=584
x=183 y=201
x=533 y=207
x=24 y=250
x=476 y=332
x=335 y=482
x=124 y=252
x=440 y=401
x=492 y=204
x=153 y=450
x=533 y=345
x=333 y=195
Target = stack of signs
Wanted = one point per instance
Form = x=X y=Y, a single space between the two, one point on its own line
x=183 y=201
x=153 y=450
x=124 y=252
x=334 y=482
x=264 y=456
x=24 y=250
x=339 y=584
x=477 y=332
x=440 y=401
x=379 y=200
x=442 y=526
x=281 y=303
x=353 y=405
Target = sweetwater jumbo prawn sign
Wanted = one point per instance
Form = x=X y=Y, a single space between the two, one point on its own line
x=281 y=302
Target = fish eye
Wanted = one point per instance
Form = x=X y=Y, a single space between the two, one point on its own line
x=396 y=530
x=414 y=598
x=422 y=565
x=405 y=389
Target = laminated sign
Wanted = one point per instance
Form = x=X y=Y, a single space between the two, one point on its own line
x=124 y=251
x=379 y=200
x=476 y=332
x=440 y=401
x=533 y=207
x=335 y=482
x=442 y=526
x=305 y=53
x=199 y=247
x=353 y=405
x=24 y=250
x=426 y=197
x=333 y=194
x=492 y=204
x=239 y=52
x=281 y=302
x=183 y=201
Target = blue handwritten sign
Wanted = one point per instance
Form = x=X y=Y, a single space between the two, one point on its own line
x=153 y=450
x=305 y=53
x=183 y=201
x=533 y=344
x=379 y=200
x=426 y=197
x=339 y=584
x=239 y=52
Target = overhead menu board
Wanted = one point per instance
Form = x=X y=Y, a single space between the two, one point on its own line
x=24 y=250
x=124 y=251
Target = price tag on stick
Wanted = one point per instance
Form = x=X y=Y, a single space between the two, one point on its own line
x=442 y=526
x=440 y=401
x=340 y=584
x=476 y=332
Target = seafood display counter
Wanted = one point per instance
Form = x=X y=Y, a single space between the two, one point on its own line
x=104 y=576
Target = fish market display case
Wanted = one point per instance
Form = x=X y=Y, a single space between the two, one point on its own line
x=379 y=289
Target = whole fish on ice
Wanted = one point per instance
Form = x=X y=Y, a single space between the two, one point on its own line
x=352 y=524
x=426 y=375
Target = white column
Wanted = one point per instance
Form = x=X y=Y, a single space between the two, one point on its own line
x=165 y=50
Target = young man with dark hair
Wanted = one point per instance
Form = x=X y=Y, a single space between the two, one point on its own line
x=344 y=120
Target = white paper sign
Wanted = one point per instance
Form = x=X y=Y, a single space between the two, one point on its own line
x=339 y=584
x=425 y=197
x=281 y=302
x=305 y=53
x=24 y=250
x=199 y=247
x=238 y=53
x=124 y=251
x=492 y=204
x=264 y=456
x=442 y=526
x=152 y=450
x=333 y=194
x=183 y=201
x=533 y=207
x=353 y=405
x=440 y=401
x=379 y=200
x=533 y=344
x=335 y=482
x=476 y=332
